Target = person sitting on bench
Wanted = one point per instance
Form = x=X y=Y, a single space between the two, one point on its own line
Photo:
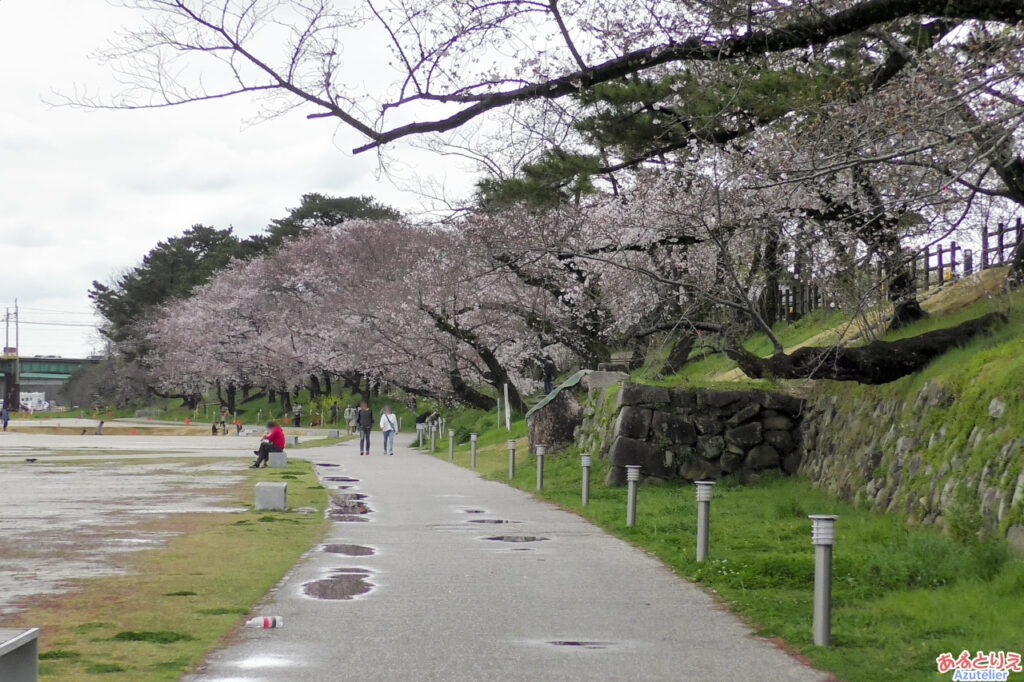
x=272 y=441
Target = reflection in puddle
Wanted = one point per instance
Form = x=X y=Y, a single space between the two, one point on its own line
x=345 y=583
x=350 y=550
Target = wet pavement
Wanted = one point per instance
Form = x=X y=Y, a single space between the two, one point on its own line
x=83 y=503
x=417 y=592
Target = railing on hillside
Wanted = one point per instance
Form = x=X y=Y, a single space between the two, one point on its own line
x=935 y=265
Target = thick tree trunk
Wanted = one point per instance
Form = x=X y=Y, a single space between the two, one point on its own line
x=271 y=396
x=878 y=362
x=769 y=303
x=1015 y=277
x=679 y=354
x=314 y=387
x=232 y=391
x=286 y=402
x=327 y=383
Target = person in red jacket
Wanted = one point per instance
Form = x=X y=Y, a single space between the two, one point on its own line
x=273 y=441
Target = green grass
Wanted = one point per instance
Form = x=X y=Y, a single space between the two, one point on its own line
x=901 y=594
x=176 y=602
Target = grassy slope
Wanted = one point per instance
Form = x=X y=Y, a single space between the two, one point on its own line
x=902 y=594
x=178 y=601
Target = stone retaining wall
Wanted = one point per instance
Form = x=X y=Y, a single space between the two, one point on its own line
x=691 y=433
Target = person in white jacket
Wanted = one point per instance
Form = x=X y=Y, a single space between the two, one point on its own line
x=389 y=427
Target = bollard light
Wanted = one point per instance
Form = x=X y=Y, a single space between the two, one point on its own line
x=632 y=479
x=472 y=450
x=704 y=489
x=433 y=437
x=451 y=445
x=540 y=466
x=511 y=458
x=585 y=463
x=823 y=536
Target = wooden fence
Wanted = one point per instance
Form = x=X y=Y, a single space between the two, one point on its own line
x=935 y=265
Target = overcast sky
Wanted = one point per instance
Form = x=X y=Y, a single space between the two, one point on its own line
x=85 y=194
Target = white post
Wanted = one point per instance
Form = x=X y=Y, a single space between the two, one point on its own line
x=451 y=445
x=704 y=489
x=632 y=478
x=472 y=450
x=823 y=536
x=585 y=463
x=541 y=449
x=511 y=458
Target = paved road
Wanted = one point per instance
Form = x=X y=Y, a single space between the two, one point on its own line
x=448 y=604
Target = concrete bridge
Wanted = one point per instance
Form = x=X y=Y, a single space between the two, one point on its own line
x=45 y=374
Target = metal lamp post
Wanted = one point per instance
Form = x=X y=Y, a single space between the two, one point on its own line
x=632 y=479
x=823 y=536
x=451 y=445
x=541 y=449
x=704 y=489
x=511 y=458
x=472 y=450
x=585 y=463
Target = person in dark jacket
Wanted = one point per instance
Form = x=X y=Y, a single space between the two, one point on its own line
x=549 y=374
x=364 y=422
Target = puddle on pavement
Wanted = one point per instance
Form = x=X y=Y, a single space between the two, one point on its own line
x=349 y=507
x=474 y=511
x=517 y=538
x=491 y=521
x=344 y=583
x=346 y=497
x=581 y=645
x=346 y=518
x=350 y=550
x=341 y=479
x=326 y=464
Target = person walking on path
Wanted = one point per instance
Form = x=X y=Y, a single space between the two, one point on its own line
x=364 y=422
x=297 y=411
x=272 y=441
x=6 y=417
x=388 y=427
x=334 y=412
x=350 y=419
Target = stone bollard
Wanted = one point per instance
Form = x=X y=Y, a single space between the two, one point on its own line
x=511 y=459
x=632 y=479
x=291 y=440
x=704 y=489
x=585 y=463
x=823 y=536
x=333 y=433
x=19 y=654
x=419 y=432
x=433 y=437
x=472 y=450
x=271 y=496
x=541 y=449
x=277 y=460
x=451 y=445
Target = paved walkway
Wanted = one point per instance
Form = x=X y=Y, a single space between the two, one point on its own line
x=448 y=604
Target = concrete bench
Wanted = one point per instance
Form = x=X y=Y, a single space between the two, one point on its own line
x=333 y=433
x=19 y=654
x=278 y=460
x=270 y=496
x=291 y=440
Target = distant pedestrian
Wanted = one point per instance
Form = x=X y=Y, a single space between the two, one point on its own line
x=6 y=417
x=238 y=427
x=297 y=411
x=213 y=429
x=350 y=418
x=272 y=441
x=364 y=422
x=99 y=428
x=223 y=423
x=334 y=412
x=388 y=427
x=549 y=374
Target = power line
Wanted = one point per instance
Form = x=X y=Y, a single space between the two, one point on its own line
x=62 y=324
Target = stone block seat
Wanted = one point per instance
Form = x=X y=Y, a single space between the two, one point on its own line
x=19 y=654
x=271 y=495
x=278 y=460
